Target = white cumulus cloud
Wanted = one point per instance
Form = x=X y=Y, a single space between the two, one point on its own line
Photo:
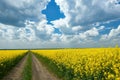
x=23 y=21
x=113 y=34
x=84 y=12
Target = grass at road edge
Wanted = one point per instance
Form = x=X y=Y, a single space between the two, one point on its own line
x=9 y=65
x=50 y=66
x=27 y=72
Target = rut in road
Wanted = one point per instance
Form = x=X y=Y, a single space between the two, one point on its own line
x=39 y=72
x=16 y=72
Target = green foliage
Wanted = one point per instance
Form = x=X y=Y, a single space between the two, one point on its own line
x=7 y=65
x=63 y=73
x=27 y=72
x=82 y=64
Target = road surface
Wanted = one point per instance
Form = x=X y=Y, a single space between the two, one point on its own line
x=39 y=71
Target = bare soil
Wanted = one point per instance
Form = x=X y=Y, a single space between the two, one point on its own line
x=16 y=72
x=40 y=72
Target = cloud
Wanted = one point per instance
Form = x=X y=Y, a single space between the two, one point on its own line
x=18 y=11
x=92 y=32
x=21 y=22
x=81 y=37
x=8 y=32
x=76 y=28
x=84 y=12
x=44 y=31
x=113 y=34
x=101 y=27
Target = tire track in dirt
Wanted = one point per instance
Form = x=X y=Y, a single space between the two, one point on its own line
x=16 y=72
x=39 y=71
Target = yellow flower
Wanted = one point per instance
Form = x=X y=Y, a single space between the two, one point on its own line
x=89 y=62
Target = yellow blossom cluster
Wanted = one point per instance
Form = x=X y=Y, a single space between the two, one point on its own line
x=85 y=64
x=8 y=58
x=9 y=54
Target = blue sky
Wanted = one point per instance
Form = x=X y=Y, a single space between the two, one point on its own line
x=52 y=12
x=59 y=23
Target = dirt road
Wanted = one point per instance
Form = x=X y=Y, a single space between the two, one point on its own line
x=40 y=72
x=16 y=72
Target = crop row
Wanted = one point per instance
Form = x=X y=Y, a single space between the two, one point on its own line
x=8 y=59
x=83 y=64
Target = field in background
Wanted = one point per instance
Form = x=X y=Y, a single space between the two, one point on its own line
x=82 y=64
x=67 y=64
x=8 y=59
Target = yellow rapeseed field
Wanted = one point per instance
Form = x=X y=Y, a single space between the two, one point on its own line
x=9 y=54
x=85 y=64
x=8 y=58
